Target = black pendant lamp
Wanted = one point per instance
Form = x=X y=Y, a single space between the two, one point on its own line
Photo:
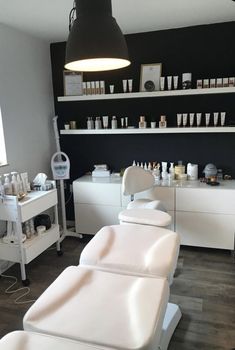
x=95 y=42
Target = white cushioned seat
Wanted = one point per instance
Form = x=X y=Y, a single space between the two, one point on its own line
x=145 y=217
x=133 y=249
x=102 y=308
x=21 y=340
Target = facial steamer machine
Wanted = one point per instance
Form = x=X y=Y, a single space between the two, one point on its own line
x=60 y=166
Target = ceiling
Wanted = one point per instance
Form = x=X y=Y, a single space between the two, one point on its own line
x=48 y=19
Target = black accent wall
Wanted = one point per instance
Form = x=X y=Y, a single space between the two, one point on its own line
x=207 y=51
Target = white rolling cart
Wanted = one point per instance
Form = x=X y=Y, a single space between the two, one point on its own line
x=18 y=212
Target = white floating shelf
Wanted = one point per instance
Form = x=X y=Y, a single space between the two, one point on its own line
x=223 y=90
x=180 y=130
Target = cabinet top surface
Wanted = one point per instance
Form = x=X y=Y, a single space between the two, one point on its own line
x=225 y=185
x=33 y=196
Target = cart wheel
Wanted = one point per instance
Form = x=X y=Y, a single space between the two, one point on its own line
x=60 y=252
x=26 y=282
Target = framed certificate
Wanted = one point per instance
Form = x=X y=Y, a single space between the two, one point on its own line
x=150 y=77
x=72 y=83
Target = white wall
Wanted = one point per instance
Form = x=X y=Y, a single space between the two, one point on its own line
x=26 y=100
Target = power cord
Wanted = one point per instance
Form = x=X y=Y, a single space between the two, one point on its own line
x=25 y=289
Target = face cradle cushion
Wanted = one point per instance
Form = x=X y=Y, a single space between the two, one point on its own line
x=20 y=340
x=145 y=217
x=102 y=308
x=133 y=249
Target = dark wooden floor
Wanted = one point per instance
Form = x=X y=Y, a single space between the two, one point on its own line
x=204 y=287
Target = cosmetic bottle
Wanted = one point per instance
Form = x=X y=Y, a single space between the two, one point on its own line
x=105 y=119
x=179 y=170
x=164 y=172
x=14 y=183
x=122 y=122
x=90 y=123
x=98 y=123
x=126 y=122
x=20 y=183
x=145 y=166
x=162 y=123
x=114 y=122
x=142 y=122
x=171 y=172
x=156 y=173
x=134 y=163
x=7 y=185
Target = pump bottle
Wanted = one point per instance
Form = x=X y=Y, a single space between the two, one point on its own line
x=7 y=185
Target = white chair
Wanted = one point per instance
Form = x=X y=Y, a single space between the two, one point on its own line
x=143 y=211
x=109 y=310
x=135 y=250
x=21 y=340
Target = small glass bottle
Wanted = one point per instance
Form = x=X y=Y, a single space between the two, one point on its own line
x=7 y=185
x=219 y=175
x=114 y=122
x=162 y=123
x=90 y=123
x=98 y=123
x=142 y=122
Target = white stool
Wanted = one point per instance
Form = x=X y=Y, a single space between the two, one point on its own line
x=102 y=308
x=133 y=249
x=142 y=211
x=20 y=340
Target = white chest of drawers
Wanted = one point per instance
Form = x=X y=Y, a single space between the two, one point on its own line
x=202 y=215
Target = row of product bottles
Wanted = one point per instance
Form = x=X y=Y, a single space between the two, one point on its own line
x=14 y=183
x=28 y=231
x=165 y=173
x=104 y=122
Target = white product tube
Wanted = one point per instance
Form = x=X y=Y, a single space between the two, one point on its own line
x=216 y=118
x=105 y=121
x=124 y=85
x=199 y=117
x=111 y=89
x=169 y=82
x=207 y=116
x=175 y=82
x=185 y=119
x=179 y=119
x=191 y=119
x=222 y=118
x=162 y=83
x=130 y=84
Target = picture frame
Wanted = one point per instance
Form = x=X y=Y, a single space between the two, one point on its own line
x=150 y=77
x=72 y=83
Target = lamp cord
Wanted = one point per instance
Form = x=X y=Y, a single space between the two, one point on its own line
x=25 y=290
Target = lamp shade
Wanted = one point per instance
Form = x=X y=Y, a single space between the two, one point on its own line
x=95 y=42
